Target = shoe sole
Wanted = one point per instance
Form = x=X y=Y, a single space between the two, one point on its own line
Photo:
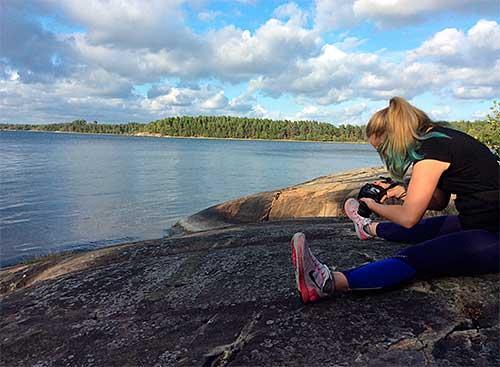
x=298 y=246
x=356 y=228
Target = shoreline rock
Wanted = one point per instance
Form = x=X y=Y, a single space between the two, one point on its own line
x=321 y=197
x=227 y=297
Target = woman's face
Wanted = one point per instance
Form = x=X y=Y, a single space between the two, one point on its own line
x=375 y=141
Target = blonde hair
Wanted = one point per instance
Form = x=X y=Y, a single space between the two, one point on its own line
x=400 y=127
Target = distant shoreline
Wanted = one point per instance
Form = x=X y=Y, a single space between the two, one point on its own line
x=152 y=135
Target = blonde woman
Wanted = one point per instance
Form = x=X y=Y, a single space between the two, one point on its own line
x=445 y=161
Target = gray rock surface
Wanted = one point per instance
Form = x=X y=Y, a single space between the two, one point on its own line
x=227 y=297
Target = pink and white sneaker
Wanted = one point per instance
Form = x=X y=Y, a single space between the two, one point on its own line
x=314 y=279
x=351 y=209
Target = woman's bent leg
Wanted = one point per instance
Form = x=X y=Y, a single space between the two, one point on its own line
x=426 y=229
x=468 y=252
x=462 y=253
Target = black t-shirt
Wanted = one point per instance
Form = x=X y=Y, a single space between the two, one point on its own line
x=473 y=175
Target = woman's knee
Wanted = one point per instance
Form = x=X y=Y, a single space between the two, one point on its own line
x=466 y=252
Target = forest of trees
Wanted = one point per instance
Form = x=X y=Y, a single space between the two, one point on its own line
x=213 y=126
x=487 y=131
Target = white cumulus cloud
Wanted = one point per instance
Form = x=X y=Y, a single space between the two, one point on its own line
x=479 y=46
x=333 y=14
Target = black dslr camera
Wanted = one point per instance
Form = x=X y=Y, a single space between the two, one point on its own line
x=374 y=192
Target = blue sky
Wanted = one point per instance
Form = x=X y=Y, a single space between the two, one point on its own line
x=329 y=60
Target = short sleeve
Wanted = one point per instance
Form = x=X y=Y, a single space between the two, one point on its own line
x=436 y=148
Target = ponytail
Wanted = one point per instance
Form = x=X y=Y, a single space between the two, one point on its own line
x=401 y=128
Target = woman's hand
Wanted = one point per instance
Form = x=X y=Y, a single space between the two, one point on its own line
x=369 y=202
x=383 y=184
x=398 y=192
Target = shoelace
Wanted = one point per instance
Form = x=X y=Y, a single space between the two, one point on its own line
x=317 y=264
x=327 y=280
x=365 y=221
x=322 y=270
x=322 y=274
x=365 y=224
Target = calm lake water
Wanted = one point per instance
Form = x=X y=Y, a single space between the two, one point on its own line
x=73 y=191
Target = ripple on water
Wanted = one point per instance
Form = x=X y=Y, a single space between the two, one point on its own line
x=27 y=247
x=13 y=221
x=15 y=205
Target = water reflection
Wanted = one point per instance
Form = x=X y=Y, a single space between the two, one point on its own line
x=61 y=191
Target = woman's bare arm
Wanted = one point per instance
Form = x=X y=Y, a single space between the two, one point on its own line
x=439 y=200
x=423 y=184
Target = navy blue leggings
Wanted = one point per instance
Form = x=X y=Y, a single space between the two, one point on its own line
x=443 y=249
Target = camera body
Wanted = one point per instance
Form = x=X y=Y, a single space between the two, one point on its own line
x=371 y=191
